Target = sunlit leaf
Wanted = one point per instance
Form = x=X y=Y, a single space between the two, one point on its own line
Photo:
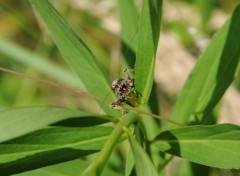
x=76 y=53
x=212 y=74
x=20 y=121
x=149 y=31
x=215 y=146
x=50 y=146
x=143 y=164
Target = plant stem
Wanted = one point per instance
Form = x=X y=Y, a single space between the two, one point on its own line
x=96 y=168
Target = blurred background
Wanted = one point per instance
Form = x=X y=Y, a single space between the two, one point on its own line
x=26 y=46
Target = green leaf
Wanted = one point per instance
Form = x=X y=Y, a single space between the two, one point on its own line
x=20 y=121
x=130 y=162
x=149 y=31
x=70 y=168
x=129 y=18
x=76 y=53
x=212 y=74
x=215 y=146
x=147 y=47
x=50 y=146
x=143 y=164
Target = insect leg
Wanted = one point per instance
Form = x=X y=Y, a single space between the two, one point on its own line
x=116 y=106
x=127 y=70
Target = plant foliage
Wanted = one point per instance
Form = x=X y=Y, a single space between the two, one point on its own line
x=36 y=137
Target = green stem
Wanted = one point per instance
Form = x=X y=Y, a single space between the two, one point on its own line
x=96 y=168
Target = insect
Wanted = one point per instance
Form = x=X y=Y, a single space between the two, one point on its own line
x=125 y=91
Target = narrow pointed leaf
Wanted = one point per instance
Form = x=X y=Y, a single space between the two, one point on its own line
x=212 y=74
x=20 y=121
x=75 y=52
x=129 y=18
x=50 y=146
x=149 y=31
x=215 y=146
x=129 y=163
x=70 y=168
x=143 y=164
